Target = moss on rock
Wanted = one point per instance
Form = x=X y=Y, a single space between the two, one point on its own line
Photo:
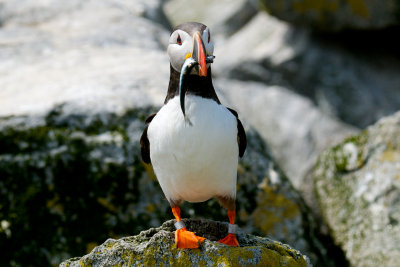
x=155 y=247
x=357 y=187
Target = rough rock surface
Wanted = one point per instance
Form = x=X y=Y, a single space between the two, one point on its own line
x=336 y=14
x=156 y=247
x=358 y=188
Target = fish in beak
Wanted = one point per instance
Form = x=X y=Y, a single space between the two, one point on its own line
x=197 y=60
x=187 y=67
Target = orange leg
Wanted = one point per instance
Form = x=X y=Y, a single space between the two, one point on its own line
x=183 y=237
x=230 y=239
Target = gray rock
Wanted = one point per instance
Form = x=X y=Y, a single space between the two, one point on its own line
x=156 y=247
x=28 y=13
x=222 y=17
x=357 y=86
x=358 y=188
x=295 y=130
x=337 y=15
x=94 y=60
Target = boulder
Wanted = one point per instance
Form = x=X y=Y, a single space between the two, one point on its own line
x=337 y=15
x=295 y=130
x=75 y=55
x=307 y=92
x=22 y=13
x=155 y=247
x=223 y=17
x=340 y=74
x=358 y=186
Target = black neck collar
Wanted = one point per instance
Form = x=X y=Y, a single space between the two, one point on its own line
x=200 y=86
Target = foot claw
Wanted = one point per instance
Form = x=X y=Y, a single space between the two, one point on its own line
x=230 y=240
x=187 y=239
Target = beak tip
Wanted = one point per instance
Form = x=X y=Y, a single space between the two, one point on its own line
x=203 y=72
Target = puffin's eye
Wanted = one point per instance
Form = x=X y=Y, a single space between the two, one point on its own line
x=209 y=36
x=179 y=40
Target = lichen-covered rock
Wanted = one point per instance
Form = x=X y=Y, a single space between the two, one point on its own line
x=358 y=188
x=155 y=247
x=336 y=14
x=70 y=181
x=67 y=183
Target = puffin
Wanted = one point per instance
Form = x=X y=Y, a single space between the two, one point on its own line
x=193 y=142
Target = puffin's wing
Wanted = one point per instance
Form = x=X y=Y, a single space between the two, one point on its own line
x=144 y=141
x=241 y=136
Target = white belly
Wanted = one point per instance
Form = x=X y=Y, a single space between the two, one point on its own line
x=199 y=161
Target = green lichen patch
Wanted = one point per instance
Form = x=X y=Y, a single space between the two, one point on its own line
x=273 y=209
x=345 y=159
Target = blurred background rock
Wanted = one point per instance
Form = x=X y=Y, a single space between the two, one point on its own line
x=78 y=78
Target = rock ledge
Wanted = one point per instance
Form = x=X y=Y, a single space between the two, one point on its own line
x=155 y=247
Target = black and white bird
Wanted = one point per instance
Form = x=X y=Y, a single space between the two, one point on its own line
x=193 y=142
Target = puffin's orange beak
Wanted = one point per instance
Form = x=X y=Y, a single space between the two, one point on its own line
x=198 y=54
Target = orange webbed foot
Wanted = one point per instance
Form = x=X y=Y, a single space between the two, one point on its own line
x=183 y=237
x=230 y=240
x=187 y=239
